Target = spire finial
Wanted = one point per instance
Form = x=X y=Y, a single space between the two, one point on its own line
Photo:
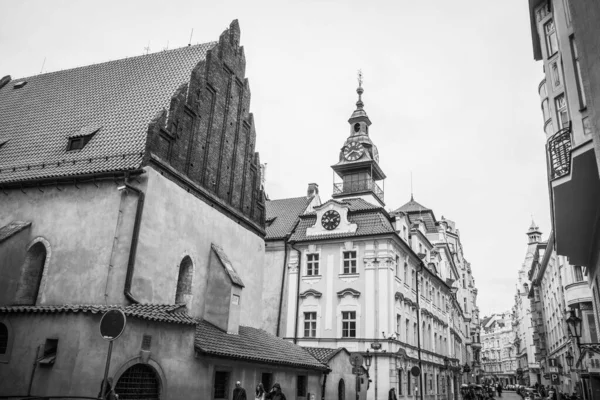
x=411 y=188
x=360 y=90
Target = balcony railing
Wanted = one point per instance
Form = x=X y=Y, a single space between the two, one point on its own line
x=559 y=152
x=361 y=185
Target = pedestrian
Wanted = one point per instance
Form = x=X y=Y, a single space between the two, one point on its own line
x=109 y=393
x=275 y=393
x=239 y=393
x=499 y=390
x=392 y=394
x=259 y=393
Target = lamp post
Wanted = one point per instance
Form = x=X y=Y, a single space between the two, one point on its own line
x=569 y=358
x=368 y=358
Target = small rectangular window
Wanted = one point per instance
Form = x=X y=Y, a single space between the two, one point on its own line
x=400 y=382
x=578 y=273
x=551 y=38
x=146 y=342
x=349 y=324
x=561 y=111
x=220 y=386
x=301 y=386
x=576 y=62
x=398 y=324
x=310 y=324
x=50 y=350
x=312 y=264
x=349 y=262
x=408 y=382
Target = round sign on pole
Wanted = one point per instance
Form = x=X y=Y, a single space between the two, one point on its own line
x=112 y=324
x=356 y=359
x=415 y=371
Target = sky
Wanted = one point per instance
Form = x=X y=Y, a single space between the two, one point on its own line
x=450 y=87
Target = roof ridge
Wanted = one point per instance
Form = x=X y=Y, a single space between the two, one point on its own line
x=115 y=60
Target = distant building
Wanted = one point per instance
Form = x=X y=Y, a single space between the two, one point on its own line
x=134 y=184
x=498 y=353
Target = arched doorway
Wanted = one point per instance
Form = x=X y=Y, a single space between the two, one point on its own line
x=138 y=382
x=341 y=390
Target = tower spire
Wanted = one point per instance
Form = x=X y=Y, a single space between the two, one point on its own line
x=360 y=90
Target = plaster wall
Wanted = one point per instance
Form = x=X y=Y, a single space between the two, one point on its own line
x=12 y=256
x=275 y=270
x=176 y=224
x=342 y=369
x=81 y=224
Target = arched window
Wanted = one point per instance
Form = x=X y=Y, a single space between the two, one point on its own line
x=184 y=281
x=138 y=382
x=31 y=275
x=3 y=338
x=341 y=390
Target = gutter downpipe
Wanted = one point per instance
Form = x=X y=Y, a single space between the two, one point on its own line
x=134 y=242
x=419 y=332
x=297 y=292
x=285 y=254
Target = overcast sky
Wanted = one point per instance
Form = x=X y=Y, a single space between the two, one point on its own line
x=450 y=86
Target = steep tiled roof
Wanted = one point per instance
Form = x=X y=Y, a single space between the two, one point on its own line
x=12 y=228
x=411 y=206
x=323 y=354
x=283 y=214
x=427 y=218
x=151 y=312
x=121 y=97
x=369 y=223
x=254 y=345
x=233 y=275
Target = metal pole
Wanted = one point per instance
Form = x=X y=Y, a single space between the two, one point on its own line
x=104 y=382
x=419 y=332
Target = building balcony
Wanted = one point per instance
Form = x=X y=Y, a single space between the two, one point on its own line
x=574 y=195
x=357 y=187
x=578 y=292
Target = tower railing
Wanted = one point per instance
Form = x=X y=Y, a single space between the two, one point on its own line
x=357 y=186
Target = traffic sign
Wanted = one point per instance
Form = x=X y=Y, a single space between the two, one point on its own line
x=415 y=371
x=112 y=324
x=554 y=379
x=356 y=359
x=552 y=362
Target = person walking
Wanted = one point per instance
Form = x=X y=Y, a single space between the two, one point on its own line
x=392 y=394
x=275 y=393
x=239 y=393
x=259 y=393
x=499 y=390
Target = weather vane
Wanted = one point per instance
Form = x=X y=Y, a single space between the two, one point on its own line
x=360 y=78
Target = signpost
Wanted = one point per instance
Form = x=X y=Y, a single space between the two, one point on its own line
x=356 y=360
x=112 y=326
x=554 y=379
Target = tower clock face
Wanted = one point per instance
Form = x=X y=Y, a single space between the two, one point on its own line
x=353 y=151
x=330 y=220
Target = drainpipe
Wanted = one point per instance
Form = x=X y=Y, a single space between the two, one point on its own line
x=283 y=273
x=134 y=241
x=325 y=373
x=297 y=292
x=35 y=363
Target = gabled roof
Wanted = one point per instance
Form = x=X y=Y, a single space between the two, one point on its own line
x=369 y=223
x=282 y=215
x=12 y=228
x=416 y=211
x=227 y=266
x=173 y=313
x=254 y=345
x=122 y=97
x=412 y=206
x=324 y=354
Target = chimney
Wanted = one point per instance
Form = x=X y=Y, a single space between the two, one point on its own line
x=313 y=190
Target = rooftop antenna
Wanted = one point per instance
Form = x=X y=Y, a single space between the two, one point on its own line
x=44 y=63
x=147 y=48
x=190 y=42
x=411 y=187
x=166 y=48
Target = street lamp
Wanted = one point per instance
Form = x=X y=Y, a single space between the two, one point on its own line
x=574 y=324
x=569 y=358
x=368 y=359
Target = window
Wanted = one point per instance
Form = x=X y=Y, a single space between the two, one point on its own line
x=349 y=262
x=398 y=324
x=398 y=266
x=408 y=381
x=50 y=350
x=551 y=40
x=310 y=324
x=184 y=281
x=400 y=382
x=578 y=273
x=405 y=272
x=546 y=110
x=425 y=382
x=31 y=275
x=587 y=129
x=220 y=386
x=414 y=279
x=348 y=323
x=415 y=333
x=78 y=143
x=139 y=380
x=592 y=328
x=3 y=338
x=405 y=234
x=341 y=390
x=575 y=55
x=561 y=111
x=267 y=380
x=464 y=282
x=146 y=342
x=301 y=382
x=407 y=331
x=312 y=264
x=465 y=304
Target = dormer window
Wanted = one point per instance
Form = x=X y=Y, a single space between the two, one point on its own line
x=82 y=137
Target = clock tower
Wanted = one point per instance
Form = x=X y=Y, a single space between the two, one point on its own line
x=358 y=164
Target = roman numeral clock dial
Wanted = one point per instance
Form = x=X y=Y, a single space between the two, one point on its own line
x=353 y=151
x=330 y=220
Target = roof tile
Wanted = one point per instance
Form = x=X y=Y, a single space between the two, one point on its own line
x=283 y=214
x=369 y=223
